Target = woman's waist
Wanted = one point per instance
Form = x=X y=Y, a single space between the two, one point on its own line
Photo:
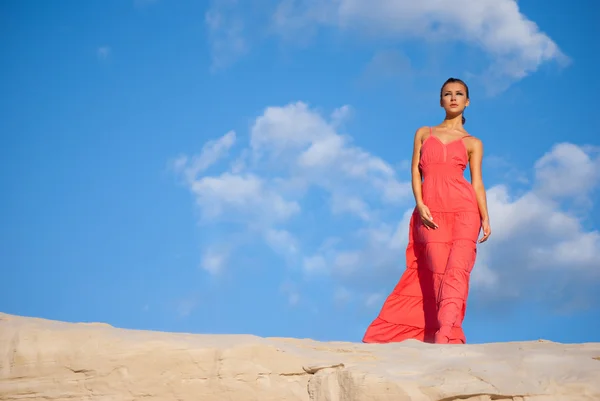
x=445 y=180
x=442 y=170
x=448 y=190
x=455 y=203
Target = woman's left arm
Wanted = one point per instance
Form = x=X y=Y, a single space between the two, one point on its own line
x=475 y=160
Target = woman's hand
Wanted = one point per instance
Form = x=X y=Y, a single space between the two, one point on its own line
x=487 y=231
x=426 y=217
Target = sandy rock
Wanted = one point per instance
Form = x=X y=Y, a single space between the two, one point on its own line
x=50 y=360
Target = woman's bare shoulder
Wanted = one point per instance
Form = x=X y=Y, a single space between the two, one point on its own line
x=472 y=138
x=422 y=132
x=473 y=143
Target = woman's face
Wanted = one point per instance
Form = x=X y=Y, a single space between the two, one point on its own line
x=454 y=98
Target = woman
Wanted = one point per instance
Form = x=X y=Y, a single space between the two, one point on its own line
x=429 y=301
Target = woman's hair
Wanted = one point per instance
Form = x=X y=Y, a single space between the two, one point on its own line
x=459 y=81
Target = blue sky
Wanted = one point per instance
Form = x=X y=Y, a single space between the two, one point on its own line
x=242 y=167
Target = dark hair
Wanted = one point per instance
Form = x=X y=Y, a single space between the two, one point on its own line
x=458 y=81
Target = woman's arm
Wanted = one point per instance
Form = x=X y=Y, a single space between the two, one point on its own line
x=416 y=172
x=423 y=210
x=475 y=162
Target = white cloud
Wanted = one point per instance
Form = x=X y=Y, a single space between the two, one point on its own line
x=241 y=195
x=315 y=264
x=482 y=276
x=291 y=292
x=354 y=205
x=515 y=45
x=497 y=26
x=282 y=241
x=235 y=194
x=567 y=171
x=307 y=147
x=338 y=212
x=227 y=33
x=214 y=261
x=212 y=152
x=293 y=152
x=535 y=239
x=341 y=115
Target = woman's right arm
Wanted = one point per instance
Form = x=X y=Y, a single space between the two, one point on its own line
x=423 y=210
x=416 y=172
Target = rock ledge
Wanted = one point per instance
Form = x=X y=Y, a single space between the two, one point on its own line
x=50 y=360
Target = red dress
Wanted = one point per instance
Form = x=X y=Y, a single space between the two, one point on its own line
x=429 y=301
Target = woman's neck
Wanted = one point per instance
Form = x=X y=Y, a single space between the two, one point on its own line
x=452 y=122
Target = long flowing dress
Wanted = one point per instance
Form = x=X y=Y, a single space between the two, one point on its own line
x=429 y=301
